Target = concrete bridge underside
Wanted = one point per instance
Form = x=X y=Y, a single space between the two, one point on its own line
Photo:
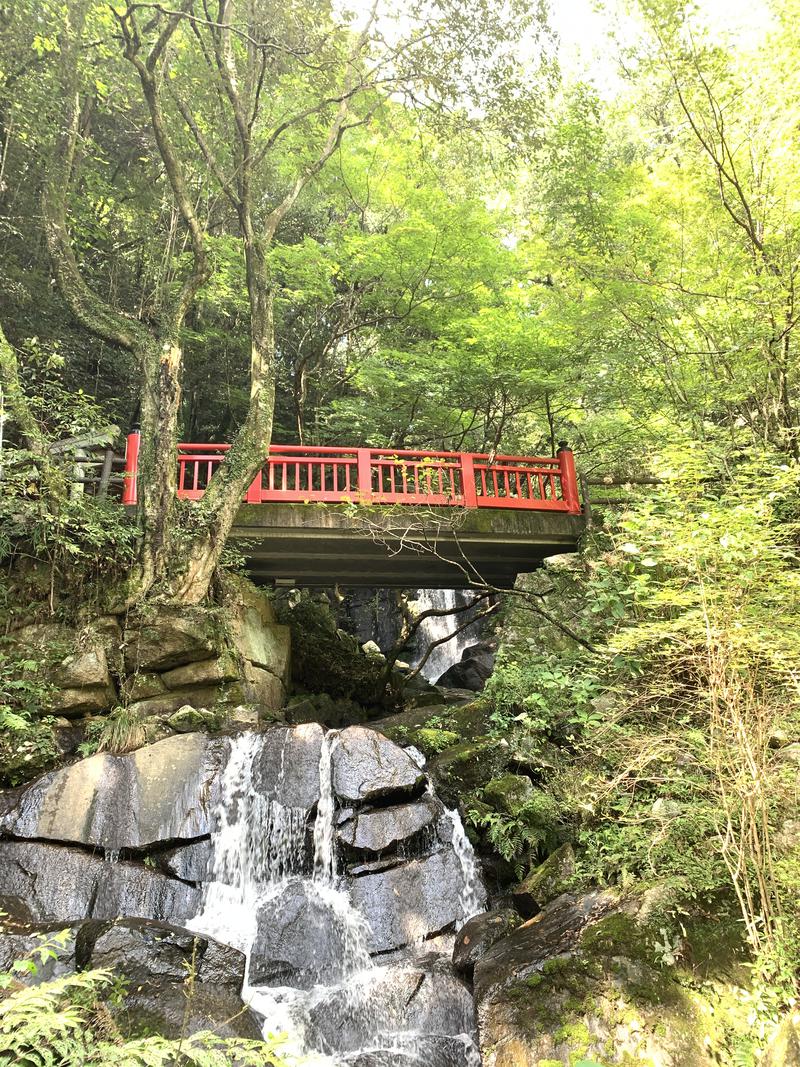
x=402 y=546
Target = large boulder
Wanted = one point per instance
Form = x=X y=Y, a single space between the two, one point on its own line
x=368 y=766
x=51 y=882
x=169 y=636
x=410 y=902
x=262 y=687
x=253 y=624
x=579 y=982
x=162 y=792
x=306 y=932
x=83 y=684
x=204 y=672
x=479 y=934
x=156 y=960
x=473 y=669
x=163 y=705
x=286 y=766
x=52 y=947
x=382 y=829
x=146 y=951
x=166 y=1009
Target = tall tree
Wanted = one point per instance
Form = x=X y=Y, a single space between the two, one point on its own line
x=246 y=104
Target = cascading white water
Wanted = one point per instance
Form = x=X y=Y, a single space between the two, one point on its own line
x=324 y=840
x=472 y=899
x=352 y=1010
x=443 y=656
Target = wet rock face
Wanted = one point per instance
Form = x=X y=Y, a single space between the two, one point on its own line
x=297 y=940
x=161 y=792
x=367 y=766
x=286 y=768
x=383 y=829
x=190 y=863
x=52 y=882
x=400 y=881
x=409 y=903
x=428 y=999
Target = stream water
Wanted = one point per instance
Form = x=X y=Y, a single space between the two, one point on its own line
x=349 y=1009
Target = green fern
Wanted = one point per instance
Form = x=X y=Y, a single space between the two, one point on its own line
x=64 y=1022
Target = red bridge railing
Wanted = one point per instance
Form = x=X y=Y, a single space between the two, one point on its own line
x=296 y=474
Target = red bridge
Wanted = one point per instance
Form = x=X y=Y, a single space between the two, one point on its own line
x=537 y=513
x=296 y=474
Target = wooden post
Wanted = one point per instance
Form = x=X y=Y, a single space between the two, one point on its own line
x=569 y=479
x=105 y=474
x=130 y=487
x=468 y=487
x=364 y=475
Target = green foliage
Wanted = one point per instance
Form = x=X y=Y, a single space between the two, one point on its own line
x=524 y=834
x=123 y=730
x=69 y=1021
x=27 y=739
x=683 y=734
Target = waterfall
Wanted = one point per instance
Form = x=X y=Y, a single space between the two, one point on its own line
x=472 y=898
x=436 y=627
x=348 y=1010
x=324 y=840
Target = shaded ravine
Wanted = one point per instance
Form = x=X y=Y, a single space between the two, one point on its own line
x=344 y=1002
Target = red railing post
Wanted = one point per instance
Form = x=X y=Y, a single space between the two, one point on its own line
x=468 y=487
x=364 y=475
x=569 y=479
x=130 y=494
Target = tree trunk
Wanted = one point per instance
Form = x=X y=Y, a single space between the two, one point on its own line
x=193 y=569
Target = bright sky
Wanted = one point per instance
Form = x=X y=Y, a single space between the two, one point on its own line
x=582 y=25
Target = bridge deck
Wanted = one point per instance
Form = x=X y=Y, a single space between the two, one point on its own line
x=313 y=545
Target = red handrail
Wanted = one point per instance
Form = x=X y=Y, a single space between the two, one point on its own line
x=301 y=474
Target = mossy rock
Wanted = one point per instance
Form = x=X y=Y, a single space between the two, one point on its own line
x=508 y=792
x=465 y=767
x=187 y=720
x=545 y=882
x=27 y=752
x=784 y=1048
x=325 y=659
x=580 y=983
x=430 y=742
x=323 y=708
